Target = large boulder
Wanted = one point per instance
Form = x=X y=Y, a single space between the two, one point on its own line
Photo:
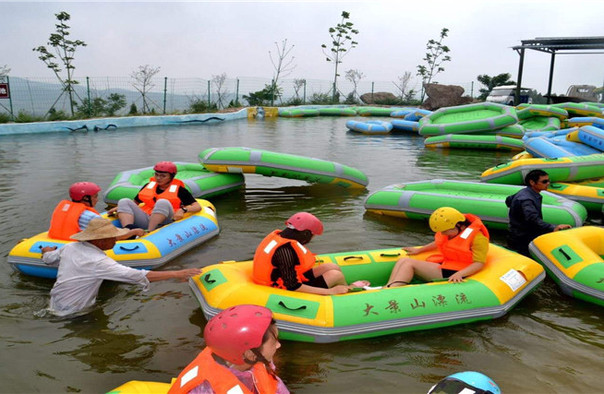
x=384 y=98
x=444 y=96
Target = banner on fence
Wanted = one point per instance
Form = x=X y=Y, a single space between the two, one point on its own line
x=4 y=88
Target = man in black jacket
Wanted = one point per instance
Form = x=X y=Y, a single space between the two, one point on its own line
x=526 y=219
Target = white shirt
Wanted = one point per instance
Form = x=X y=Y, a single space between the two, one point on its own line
x=82 y=269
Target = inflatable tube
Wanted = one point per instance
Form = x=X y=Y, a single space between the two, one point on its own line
x=472 y=141
x=141 y=387
x=544 y=147
x=199 y=181
x=267 y=163
x=592 y=136
x=417 y=200
x=336 y=111
x=404 y=125
x=375 y=111
x=522 y=155
x=573 y=259
x=559 y=170
x=539 y=123
x=586 y=121
x=400 y=113
x=147 y=252
x=576 y=148
x=369 y=127
x=592 y=198
x=525 y=111
x=470 y=118
x=506 y=278
x=593 y=182
x=298 y=112
x=512 y=131
x=580 y=109
x=417 y=114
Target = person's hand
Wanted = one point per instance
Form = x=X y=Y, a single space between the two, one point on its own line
x=178 y=214
x=339 y=289
x=187 y=273
x=562 y=227
x=112 y=211
x=139 y=232
x=48 y=249
x=410 y=250
x=456 y=278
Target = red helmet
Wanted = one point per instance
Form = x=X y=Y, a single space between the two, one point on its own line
x=165 y=166
x=79 y=190
x=305 y=221
x=237 y=329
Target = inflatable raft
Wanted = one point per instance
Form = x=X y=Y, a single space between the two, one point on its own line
x=573 y=258
x=148 y=252
x=525 y=111
x=337 y=111
x=200 y=182
x=298 y=112
x=540 y=123
x=263 y=162
x=580 y=109
x=417 y=200
x=404 y=125
x=375 y=111
x=369 y=127
x=591 y=197
x=560 y=170
x=470 y=118
x=141 y=387
x=471 y=141
x=506 y=278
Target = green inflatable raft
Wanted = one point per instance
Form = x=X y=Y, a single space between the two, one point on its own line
x=471 y=141
x=263 y=162
x=470 y=118
x=200 y=182
x=417 y=200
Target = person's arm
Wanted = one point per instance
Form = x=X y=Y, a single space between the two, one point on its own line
x=338 y=289
x=426 y=248
x=50 y=255
x=155 y=276
x=135 y=232
x=480 y=248
x=188 y=204
x=469 y=270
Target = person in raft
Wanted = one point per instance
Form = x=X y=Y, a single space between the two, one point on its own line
x=281 y=260
x=463 y=243
x=83 y=266
x=240 y=345
x=164 y=199
x=70 y=217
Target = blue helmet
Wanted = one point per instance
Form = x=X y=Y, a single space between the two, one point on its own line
x=469 y=380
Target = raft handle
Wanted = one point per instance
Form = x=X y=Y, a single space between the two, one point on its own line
x=129 y=249
x=281 y=303
x=389 y=254
x=564 y=254
x=353 y=257
x=206 y=278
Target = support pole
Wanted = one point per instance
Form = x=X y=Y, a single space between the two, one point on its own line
x=519 y=83
x=551 y=77
x=165 y=92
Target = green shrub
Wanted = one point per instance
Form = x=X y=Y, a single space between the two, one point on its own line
x=53 y=115
x=324 y=99
x=5 y=118
x=24 y=117
x=198 y=106
x=133 y=109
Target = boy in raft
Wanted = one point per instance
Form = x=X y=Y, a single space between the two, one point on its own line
x=463 y=243
x=281 y=260
x=70 y=217
x=164 y=199
x=241 y=342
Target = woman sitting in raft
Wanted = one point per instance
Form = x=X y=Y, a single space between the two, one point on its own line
x=282 y=261
x=463 y=243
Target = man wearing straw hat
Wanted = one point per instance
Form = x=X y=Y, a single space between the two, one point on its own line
x=84 y=265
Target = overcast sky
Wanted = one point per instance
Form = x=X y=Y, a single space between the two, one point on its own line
x=202 y=39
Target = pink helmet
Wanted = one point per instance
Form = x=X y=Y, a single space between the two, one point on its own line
x=79 y=190
x=237 y=329
x=305 y=221
x=165 y=166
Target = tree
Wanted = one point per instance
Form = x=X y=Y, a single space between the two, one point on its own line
x=491 y=82
x=264 y=96
x=354 y=76
x=143 y=83
x=341 y=44
x=282 y=65
x=64 y=49
x=4 y=70
x=100 y=106
x=298 y=84
x=436 y=55
x=218 y=82
x=403 y=84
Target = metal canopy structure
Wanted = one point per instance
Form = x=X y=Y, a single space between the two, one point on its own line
x=553 y=46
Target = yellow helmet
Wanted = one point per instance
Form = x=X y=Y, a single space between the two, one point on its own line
x=445 y=218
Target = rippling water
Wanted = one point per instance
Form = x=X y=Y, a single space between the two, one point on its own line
x=548 y=343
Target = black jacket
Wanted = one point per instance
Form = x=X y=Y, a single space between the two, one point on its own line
x=526 y=219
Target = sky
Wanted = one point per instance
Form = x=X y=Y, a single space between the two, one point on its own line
x=203 y=39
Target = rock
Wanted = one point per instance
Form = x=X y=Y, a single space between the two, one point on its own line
x=384 y=98
x=444 y=96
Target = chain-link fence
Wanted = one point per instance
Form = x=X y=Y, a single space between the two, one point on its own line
x=39 y=97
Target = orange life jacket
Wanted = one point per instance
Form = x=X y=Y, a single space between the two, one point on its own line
x=204 y=367
x=149 y=194
x=64 y=220
x=263 y=266
x=456 y=253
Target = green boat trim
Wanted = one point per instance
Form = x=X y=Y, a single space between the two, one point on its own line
x=525 y=111
x=336 y=111
x=472 y=141
x=267 y=163
x=470 y=118
x=417 y=200
x=375 y=111
x=198 y=180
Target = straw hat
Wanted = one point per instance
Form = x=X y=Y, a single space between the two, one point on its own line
x=99 y=228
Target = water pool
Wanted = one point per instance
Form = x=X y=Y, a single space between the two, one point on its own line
x=549 y=343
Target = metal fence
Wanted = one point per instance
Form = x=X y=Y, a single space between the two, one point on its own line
x=36 y=96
